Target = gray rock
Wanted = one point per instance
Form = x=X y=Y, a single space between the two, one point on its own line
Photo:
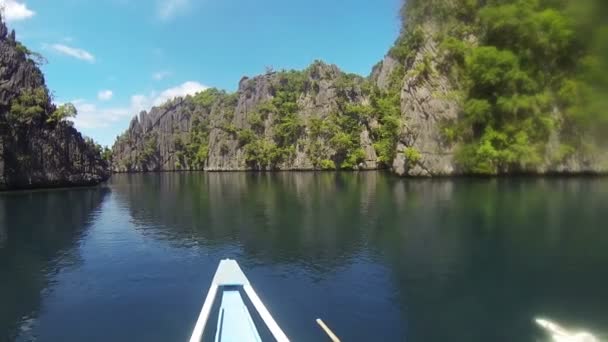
x=16 y=71
x=36 y=156
x=174 y=120
x=382 y=72
x=39 y=154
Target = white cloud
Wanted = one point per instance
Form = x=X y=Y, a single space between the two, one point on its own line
x=91 y=116
x=186 y=88
x=145 y=102
x=14 y=10
x=161 y=75
x=74 y=52
x=105 y=95
x=140 y=102
x=168 y=9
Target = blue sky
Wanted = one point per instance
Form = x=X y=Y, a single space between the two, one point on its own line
x=113 y=58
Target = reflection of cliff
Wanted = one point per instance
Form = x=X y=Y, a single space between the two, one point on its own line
x=39 y=232
x=282 y=217
x=479 y=259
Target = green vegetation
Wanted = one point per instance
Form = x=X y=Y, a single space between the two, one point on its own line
x=93 y=145
x=150 y=148
x=264 y=153
x=584 y=93
x=318 y=132
x=412 y=155
x=29 y=106
x=327 y=164
x=193 y=151
x=22 y=48
x=35 y=57
x=407 y=45
x=34 y=105
x=287 y=127
x=333 y=140
x=106 y=154
x=62 y=113
x=245 y=136
x=345 y=129
x=341 y=129
x=208 y=97
x=536 y=68
x=386 y=106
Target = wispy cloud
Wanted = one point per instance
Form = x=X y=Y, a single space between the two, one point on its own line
x=167 y=9
x=161 y=75
x=74 y=52
x=105 y=95
x=14 y=10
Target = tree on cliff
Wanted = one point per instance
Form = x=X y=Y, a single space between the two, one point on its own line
x=526 y=71
x=63 y=112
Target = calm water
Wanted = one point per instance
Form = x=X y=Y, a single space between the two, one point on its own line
x=377 y=257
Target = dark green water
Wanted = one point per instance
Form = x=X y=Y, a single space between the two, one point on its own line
x=377 y=257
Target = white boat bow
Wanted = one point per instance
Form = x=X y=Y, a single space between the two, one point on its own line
x=234 y=322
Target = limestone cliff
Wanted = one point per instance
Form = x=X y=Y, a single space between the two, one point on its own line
x=424 y=106
x=241 y=130
x=35 y=152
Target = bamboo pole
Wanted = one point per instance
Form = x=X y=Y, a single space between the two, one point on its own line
x=328 y=331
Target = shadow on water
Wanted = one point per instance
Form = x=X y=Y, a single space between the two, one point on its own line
x=39 y=235
x=460 y=259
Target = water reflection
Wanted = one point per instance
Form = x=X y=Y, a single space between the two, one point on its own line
x=477 y=258
x=286 y=217
x=561 y=334
x=3 y=229
x=39 y=232
x=481 y=256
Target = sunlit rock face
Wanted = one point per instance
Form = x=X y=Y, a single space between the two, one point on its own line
x=153 y=141
x=561 y=334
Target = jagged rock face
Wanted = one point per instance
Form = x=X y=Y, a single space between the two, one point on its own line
x=16 y=72
x=174 y=120
x=590 y=162
x=425 y=107
x=381 y=73
x=424 y=111
x=38 y=154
